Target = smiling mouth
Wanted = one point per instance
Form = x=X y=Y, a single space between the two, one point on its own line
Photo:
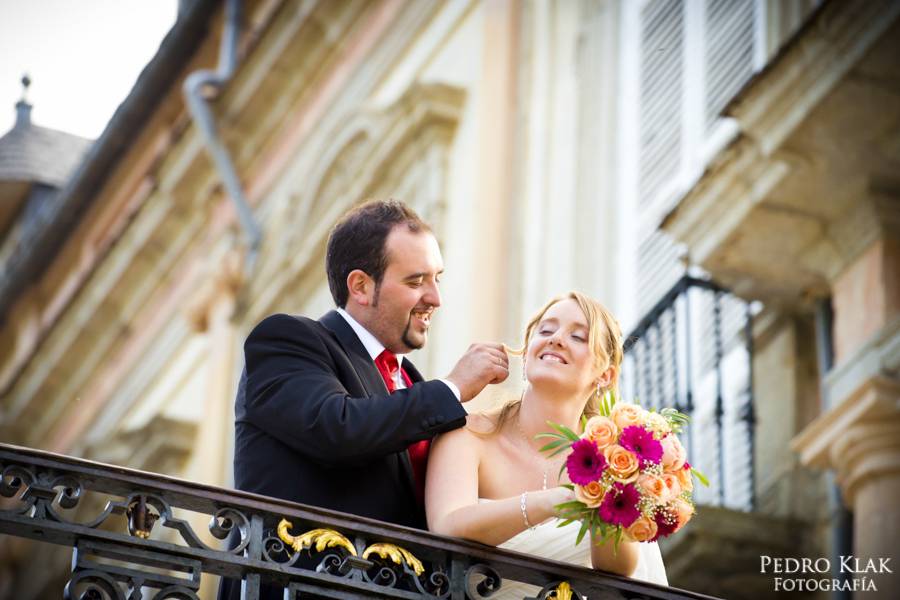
x=423 y=315
x=551 y=357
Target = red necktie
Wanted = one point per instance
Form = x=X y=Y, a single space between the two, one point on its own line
x=418 y=451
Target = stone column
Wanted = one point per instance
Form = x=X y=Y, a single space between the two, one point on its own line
x=858 y=434
x=211 y=312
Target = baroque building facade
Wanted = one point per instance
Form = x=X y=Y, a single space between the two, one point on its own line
x=602 y=145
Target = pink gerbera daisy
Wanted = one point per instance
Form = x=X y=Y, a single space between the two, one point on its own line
x=585 y=464
x=620 y=505
x=641 y=442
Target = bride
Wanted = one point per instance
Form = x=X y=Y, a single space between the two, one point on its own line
x=489 y=483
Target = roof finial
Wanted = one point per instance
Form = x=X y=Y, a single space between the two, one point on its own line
x=26 y=83
x=23 y=108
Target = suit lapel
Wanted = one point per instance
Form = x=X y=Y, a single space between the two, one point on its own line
x=368 y=374
x=362 y=363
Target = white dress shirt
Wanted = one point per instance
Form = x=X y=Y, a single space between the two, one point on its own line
x=374 y=348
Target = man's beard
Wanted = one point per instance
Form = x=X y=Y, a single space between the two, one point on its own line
x=407 y=341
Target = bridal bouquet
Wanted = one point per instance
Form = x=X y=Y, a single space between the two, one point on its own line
x=629 y=473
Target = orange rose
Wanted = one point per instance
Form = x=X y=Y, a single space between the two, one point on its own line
x=623 y=465
x=626 y=415
x=672 y=483
x=590 y=494
x=683 y=511
x=685 y=479
x=642 y=530
x=654 y=487
x=602 y=431
x=674 y=454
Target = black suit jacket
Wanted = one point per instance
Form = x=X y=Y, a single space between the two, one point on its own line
x=314 y=422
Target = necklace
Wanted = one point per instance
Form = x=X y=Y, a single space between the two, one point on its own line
x=545 y=462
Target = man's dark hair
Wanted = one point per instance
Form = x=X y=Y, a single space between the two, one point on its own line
x=358 y=241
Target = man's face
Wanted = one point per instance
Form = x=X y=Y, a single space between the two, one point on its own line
x=401 y=310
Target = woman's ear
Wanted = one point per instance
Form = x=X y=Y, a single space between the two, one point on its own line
x=360 y=287
x=606 y=377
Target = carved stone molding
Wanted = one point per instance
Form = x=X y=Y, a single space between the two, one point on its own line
x=859 y=438
x=399 y=151
x=224 y=280
x=809 y=67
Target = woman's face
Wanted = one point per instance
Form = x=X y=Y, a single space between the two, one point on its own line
x=558 y=351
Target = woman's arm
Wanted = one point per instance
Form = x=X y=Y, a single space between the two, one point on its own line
x=451 y=495
x=605 y=557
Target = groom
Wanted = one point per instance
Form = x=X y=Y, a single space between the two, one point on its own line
x=330 y=412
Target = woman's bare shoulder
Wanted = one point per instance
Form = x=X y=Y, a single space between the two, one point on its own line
x=474 y=435
x=481 y=424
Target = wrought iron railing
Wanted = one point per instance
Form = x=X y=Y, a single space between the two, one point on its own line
x=694 y=351
x=138 y=541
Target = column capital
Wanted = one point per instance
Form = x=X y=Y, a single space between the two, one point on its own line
x=218 y=286
x=859 y=438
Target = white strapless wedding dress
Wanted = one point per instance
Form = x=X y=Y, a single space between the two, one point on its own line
x=558 y=543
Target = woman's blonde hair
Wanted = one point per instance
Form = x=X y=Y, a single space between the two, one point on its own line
x=604 y=339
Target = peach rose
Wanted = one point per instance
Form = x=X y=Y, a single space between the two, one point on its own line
x=672 y=484
x=623 y=465
x=654 y=487
x=674 y=454
x=626 y=415
x=590 y=494
x=602 y=431
x=642 y=530
x=685 y=479
x=683 y=511
x=658 y=424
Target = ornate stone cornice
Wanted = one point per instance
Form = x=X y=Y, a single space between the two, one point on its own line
x=370 y=154
x=809 y=67
x=859 y=436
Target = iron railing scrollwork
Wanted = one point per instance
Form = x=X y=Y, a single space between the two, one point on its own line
x=133 y=536
x=694 y=351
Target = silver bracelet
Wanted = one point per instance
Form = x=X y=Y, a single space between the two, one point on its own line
x=524 y=511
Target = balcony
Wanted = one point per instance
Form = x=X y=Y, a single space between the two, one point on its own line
x=694 y=351
x=137 y=535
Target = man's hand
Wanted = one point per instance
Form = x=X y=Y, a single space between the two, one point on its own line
x=480 y=365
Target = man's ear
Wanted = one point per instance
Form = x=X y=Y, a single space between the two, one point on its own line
x=360 y=287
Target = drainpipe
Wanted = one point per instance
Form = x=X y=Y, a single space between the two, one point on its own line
x=196 y=88
x=841 y=518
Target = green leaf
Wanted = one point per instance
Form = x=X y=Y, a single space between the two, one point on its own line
x=557 y=451
x=570 y=505
x=564 y=430
x=581 y=532
x=700 y=476
x=555 y=444
x=606 y=403
x=618 y=539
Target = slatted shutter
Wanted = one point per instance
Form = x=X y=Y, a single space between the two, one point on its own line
x=662 y=74
x=729 y=53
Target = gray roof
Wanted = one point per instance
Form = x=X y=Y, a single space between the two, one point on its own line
x=160 y=76
x=37 y=154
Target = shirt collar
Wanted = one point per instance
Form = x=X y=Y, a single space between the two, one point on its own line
x=371 y=343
